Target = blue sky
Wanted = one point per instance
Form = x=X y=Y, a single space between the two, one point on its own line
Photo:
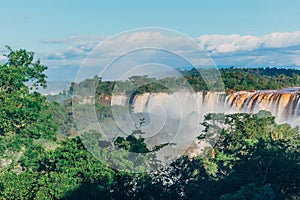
x=52 y=28
x=24 y=23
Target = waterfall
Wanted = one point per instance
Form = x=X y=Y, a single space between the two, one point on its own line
x=297 y=107
x=283 y=104
x=119 y=100
x=176 y=117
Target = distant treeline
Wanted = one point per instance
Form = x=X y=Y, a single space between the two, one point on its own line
x=230 y=79
x=259 y=78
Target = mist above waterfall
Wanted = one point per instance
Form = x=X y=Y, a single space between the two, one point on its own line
x=176 y=117
x=168 y=118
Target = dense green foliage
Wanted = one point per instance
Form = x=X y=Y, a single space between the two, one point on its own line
x=24 y=113
x=251 y=157
x=260 y=79
x=234 y=79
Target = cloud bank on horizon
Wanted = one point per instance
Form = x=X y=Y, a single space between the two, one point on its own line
x=235 y=42
x=280 y=49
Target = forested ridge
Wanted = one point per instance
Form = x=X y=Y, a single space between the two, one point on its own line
x=231 y=79
x=42 y=156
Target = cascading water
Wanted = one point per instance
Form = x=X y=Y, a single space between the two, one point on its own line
x=175 y=118
x=283 y=104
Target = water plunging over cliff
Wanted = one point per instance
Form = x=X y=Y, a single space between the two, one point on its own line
x=183 y=111
x=283 y=104
x=176 y=117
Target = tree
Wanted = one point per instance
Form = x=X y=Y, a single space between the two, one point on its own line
x=253 y=149
x=24 y=118
x=23 y=111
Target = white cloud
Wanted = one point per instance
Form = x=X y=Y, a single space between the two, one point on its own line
x=280 y=40
x=228 y=43
x=234 y=43
x=69 y=53
x=123 y=44
x=75 y=40
x=275 y=49
x=145 y=39
x=138 y=48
